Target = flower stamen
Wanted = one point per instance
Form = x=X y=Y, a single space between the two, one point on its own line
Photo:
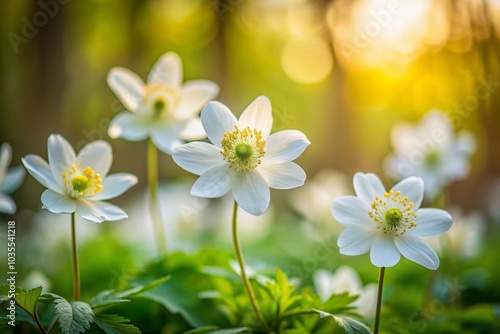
x=243 y=149
x=84 y=183
x=161 y=100
x=393 y=214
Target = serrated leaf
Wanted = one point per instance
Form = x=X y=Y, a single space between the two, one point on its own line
x=215 y=330
x=136 y=291
x=27 y=300
x=348 y=324
x=5 y=290
x=115 y=324
x=74 y=317
x=106 y=298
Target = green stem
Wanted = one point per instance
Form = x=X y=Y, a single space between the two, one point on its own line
x=38 y=323
x=246 y=282
x=379 y=298
x=154 y=207
x=76 y=268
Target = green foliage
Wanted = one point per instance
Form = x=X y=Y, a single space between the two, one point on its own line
x=115 y=324
x=350 y=325
x=74 y=317
x=27 y=300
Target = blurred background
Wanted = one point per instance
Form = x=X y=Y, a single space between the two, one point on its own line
x=344 y=72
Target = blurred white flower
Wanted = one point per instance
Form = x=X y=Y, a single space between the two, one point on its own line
x=314 y=199
x=79 y=183
x=163 y=109
x=192 y=221
x=243 y=157
x=465 y=237
x=430 y=150
x=10 y=179
x=388 y=224
x=346 y=279
x=36 y=278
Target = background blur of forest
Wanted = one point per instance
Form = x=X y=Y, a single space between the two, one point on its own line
x=343 y=72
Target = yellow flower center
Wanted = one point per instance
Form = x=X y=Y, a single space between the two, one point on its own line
x=243 y=149
x=393 y=213
x=84 y=183
x=160 y=100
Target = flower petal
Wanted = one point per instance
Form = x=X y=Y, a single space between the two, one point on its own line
x=285 y=146
x=384 y=253
x=351 y=211
x=194 y=95
x=217 y=119
x=7 y=204
x=431 y=222
x=97 y=212
x=165 y=139
x=416 y=250
x=251 y=192
x=97 y=155
x=40 y=170
x=167 y=70
x=129 y=126
x=5 y=158
x=355 y=241
x=413 y=187
x=57 y=203
x=114 y=185
x=61 y=156
x=287 y=175
x=258 y=115
x=193 y=130
x=198 y=157
x=213 y=183
x=13 y=179
x=127 y=86
x=367 y=186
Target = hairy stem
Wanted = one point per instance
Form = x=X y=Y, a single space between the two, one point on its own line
x=76 y=267
x=379 y=299
x=246 y=282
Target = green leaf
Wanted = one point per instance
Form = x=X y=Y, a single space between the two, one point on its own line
x=5 y=292
x=115 y=324
x=214 y=330
x=339 y=303
x=106 y=298
x=348 y=324
x=74 y=317
x=27 y=300
x=112 y=297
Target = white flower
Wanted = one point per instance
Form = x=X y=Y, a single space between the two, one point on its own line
x=10 y=179
x=432 y=151
x=388 y=224
x=346 y=279
x=79 y=183
x=314 y=200
x=244 y=158
x=163 y=108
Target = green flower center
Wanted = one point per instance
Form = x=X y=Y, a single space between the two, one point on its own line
x=432 y=159
x=393 y=216
x=393 y=213
x=80 y=182
x=83 y=182
x=158 y=107
x=243 y=149
x=160 y=100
